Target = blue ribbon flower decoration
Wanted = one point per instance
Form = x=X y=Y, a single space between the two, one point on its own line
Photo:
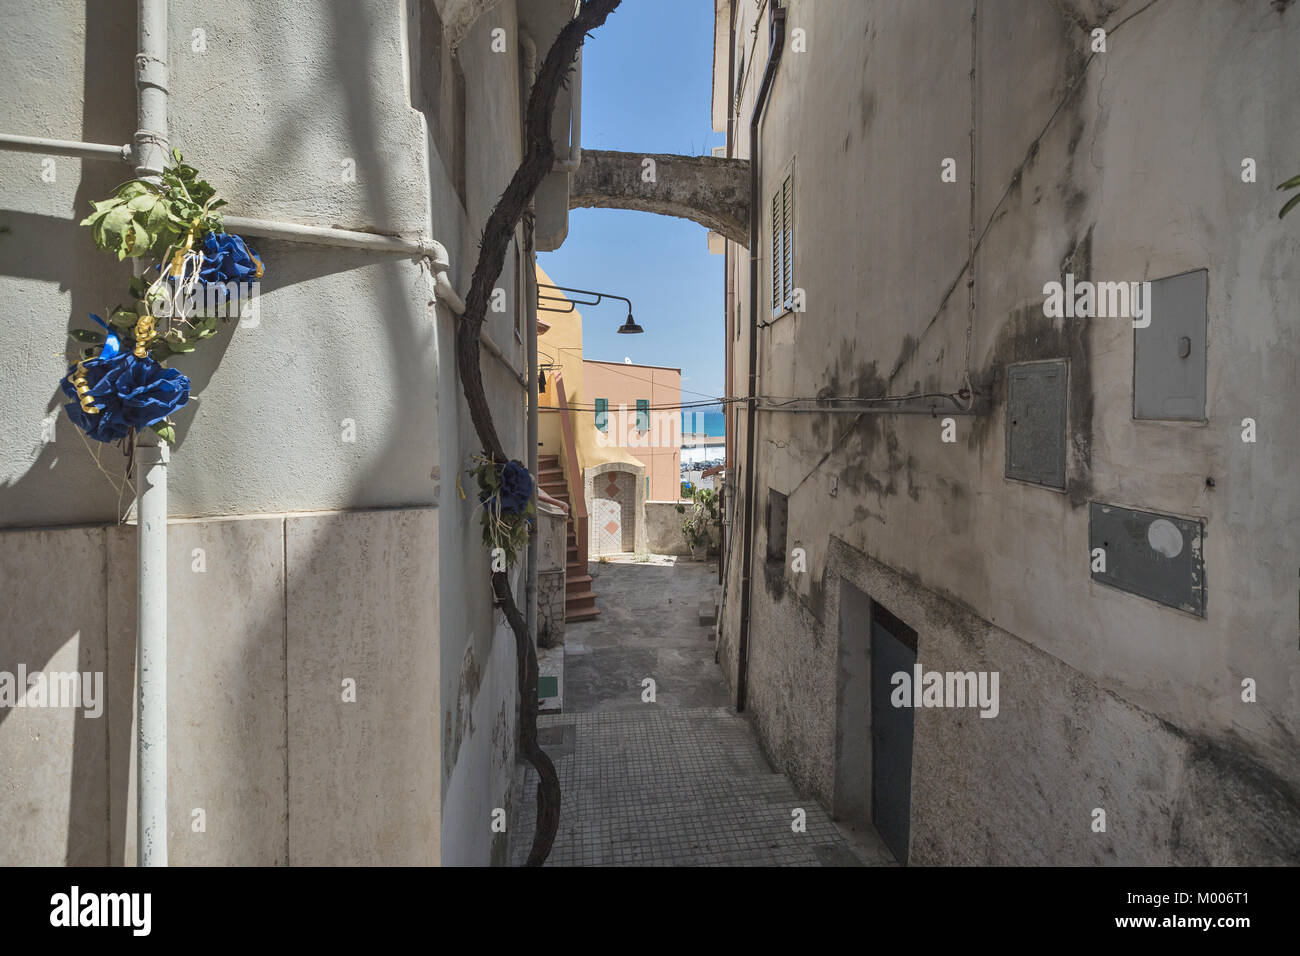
x=124 y=391
x=228 y=258
x=516 y=488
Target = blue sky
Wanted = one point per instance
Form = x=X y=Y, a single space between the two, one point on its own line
x=647 y=83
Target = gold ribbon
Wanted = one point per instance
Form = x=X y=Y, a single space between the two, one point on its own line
x=178 y=260
x=78 y=380
x=144 y=334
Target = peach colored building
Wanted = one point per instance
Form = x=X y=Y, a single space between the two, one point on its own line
x=635 y=410
x=605 y=474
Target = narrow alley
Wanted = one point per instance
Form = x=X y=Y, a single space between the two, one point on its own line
x=680 y=781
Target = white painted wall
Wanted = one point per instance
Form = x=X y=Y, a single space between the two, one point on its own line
x=287 y=91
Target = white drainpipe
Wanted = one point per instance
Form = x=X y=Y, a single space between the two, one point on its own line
x=530 y=318
x=64 y=147
x=422 y=246
x=151 y=456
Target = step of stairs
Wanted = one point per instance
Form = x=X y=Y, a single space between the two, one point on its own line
x=579 y=599
x=576 y=584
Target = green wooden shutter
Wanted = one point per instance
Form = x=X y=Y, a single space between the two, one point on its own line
x=602 y=414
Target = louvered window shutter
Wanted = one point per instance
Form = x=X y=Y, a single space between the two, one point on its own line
x=787 y=242
x=777 y=297
x=783 y=246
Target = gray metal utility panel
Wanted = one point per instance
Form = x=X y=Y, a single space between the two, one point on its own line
x=1155 y=556
x=1169 y=353
x=1036 y=403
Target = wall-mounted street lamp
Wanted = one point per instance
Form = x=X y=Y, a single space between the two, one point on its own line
x=627 y=328
x=543 y=367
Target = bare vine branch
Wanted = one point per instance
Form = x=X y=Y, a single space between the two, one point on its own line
x=538 y=160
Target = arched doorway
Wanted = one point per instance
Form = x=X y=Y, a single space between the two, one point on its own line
x=613 y=513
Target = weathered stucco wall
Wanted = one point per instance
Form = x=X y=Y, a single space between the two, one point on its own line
x=1060 y=748
x=552 y=525
x=663 y=527
x=288 y=98
x=1123 y=166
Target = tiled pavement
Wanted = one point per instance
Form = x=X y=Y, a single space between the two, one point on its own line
x=657 y=785
x=674 y=788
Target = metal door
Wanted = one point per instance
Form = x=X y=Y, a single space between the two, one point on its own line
x=893 y=649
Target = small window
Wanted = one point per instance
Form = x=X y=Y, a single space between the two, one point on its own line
x=643 y=414
x=602 y=414
x=782 y=264
x=777 y=513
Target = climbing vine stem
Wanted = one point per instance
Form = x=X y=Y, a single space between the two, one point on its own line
x=538 y=161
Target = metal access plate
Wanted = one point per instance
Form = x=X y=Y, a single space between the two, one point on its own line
x=1169 y=353
x=1155 y=556
x=1036 y=403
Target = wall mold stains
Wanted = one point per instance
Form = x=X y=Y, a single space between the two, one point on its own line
x=1027 y=335
x=1232 y=811
x=460 y=723
x=866 y=108
x=910 y=343
x=774 y=579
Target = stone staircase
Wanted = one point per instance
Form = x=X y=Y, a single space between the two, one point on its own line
x=579 y=599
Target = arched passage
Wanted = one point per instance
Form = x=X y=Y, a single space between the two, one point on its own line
x=710 y=190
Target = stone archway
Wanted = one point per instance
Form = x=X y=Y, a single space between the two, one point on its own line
x=710 y=190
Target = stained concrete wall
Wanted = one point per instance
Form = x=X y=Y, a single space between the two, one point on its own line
x=267 y=618
x=1060 y=747
x=663 y=527
x=284 y=96
x=552 y=556
x=1117 y=166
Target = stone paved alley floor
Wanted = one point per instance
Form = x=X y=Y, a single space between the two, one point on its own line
x=678 y=782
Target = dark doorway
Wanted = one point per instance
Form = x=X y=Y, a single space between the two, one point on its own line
x=893 y=649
